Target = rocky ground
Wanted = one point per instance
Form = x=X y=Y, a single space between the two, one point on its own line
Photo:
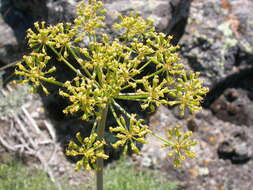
x=224 y=152
x=216 y=39
x=27 y=135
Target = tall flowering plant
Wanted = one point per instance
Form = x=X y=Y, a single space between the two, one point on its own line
x=108 y=69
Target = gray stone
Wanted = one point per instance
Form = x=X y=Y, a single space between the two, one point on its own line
x=236 y=148
x=165 y=13
x=216 y=36
x=222 y=147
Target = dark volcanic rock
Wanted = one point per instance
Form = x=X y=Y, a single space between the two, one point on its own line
x=20 y=15
x=16 y=17
x=236 y=148
x=224 y=153
x=8 y=43
x=218 y=43
x=235 y=106
x=61 y=11
x=217 y=37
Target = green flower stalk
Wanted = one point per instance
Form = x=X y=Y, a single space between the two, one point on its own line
x=108 y=69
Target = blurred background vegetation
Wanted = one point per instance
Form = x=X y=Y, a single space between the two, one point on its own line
x=15 y=175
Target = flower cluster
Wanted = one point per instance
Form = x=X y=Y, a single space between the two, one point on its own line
x=59 y=35
x=107 y=69
x=34 y=72
x=90 y=149
x=133 y=26
x=129 y=135
x=180 y=144
x=90 y=16
x=188 y=92
x=83 y=96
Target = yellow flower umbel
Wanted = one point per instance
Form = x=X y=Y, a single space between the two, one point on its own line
x=34 y=72
x=108 y=69
x=90 y=149
x=188 y=92
x=180 y=144
x=128 y=136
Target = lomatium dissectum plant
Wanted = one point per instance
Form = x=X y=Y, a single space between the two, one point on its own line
x=108 y=69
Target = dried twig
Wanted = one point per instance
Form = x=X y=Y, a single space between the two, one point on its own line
x=50 y=130
x=22 y=127
x=21 y=131
x=7 y=145
x=52 y=156
x=33 y=123
x=9 y=65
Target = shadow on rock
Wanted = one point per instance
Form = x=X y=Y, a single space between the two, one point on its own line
x=180 y=10
x=237 y=149
x=21 y=15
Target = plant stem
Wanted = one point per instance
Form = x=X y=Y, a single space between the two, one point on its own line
x=160 y=138
x=100 y=161
x=52 y=81
x=76 y=57
x=154 y=74
x=66 y=62
x=132 y=96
